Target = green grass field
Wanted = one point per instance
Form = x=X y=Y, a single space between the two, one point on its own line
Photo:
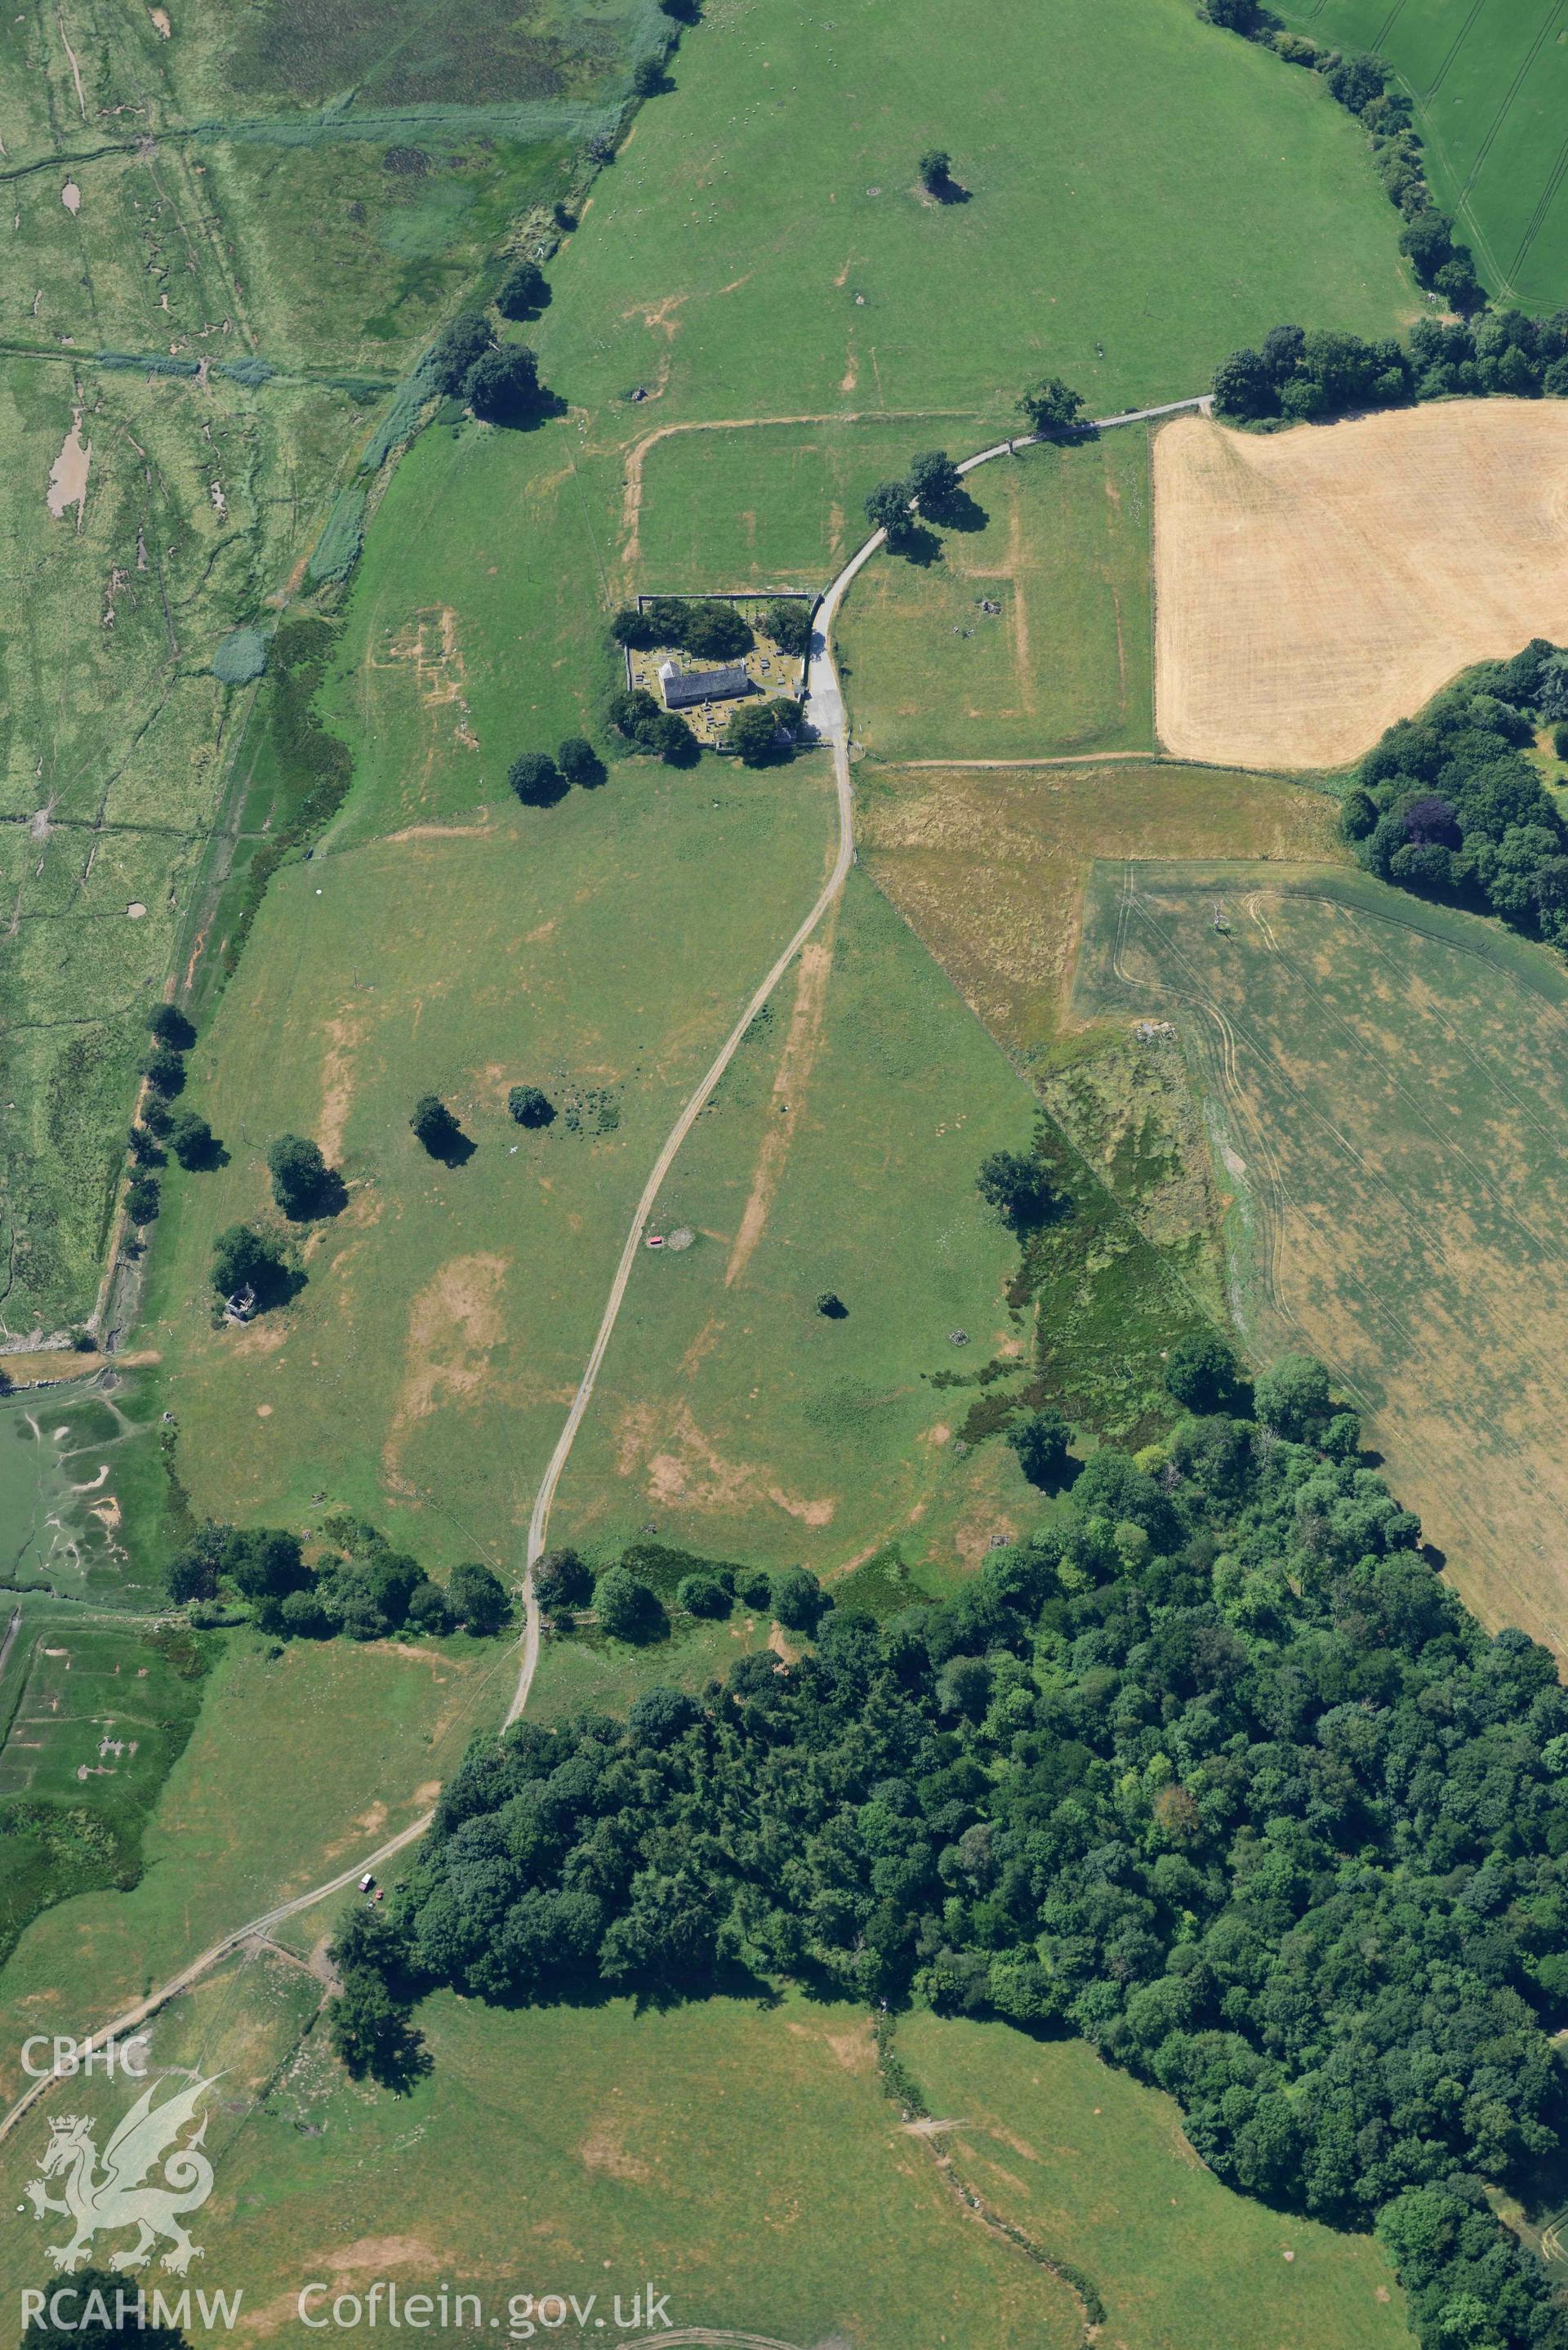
x=1145 y=195
x=731 y=1413
x=1059 y=540
x=1489 y=85
x=1096 y=2170
x=621 y=2147
x=296 y=1765
x=600 y=950
x=770 y=505
x=743 y=2159
x=1376 y=1077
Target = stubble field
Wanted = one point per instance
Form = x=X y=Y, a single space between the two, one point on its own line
x=1313 y=585
x=989 y=864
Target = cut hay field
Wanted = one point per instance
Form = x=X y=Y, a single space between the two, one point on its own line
x=1313 y=585
x=1059 y=538
x=1380 y=1081
x=989 y=864
x=1489 y=86
x=839 y=1154
x=1098 y=2171
x=600 y=950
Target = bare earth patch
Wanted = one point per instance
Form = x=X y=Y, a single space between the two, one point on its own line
x=343 y=1037
x=603 y=2149
x=453 y=1323
x=69 y=473
x=788 y=1095
x=694 y=1474
x=1315 y=585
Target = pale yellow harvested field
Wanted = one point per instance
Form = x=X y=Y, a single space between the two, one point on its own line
x=1313 y=585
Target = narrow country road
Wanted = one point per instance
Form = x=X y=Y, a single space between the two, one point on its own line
x=830 y=721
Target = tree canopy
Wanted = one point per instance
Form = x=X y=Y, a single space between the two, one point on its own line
x=536 y=779
x=165 y=1071
x=522 y=291
x=530 y=1105
x=1201 y=1373
x=711 y=627
x=478 y=1598
x=788 y=622
x=246 y=1259
x=757 y=731
x=627 y=1609
x=192 y=1141
x=303 y=1185
x=462 y=344
x=1041 y=1441
x=1450 y=805
x=580 y=762
x=1215 y=1770
x=647 y=727
x=562 y=1581
x=170 y=1027
x=1018 y=1187
x=354 y=1584
x=887 y=509
x=934 y=481
x=435 y=1127
x=1053 y=409
x=502 y=387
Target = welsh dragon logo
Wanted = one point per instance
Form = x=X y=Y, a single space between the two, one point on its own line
x=122 y=2195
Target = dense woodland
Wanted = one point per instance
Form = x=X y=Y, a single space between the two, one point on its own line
x=1216 y=1771
x=1448 y=805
